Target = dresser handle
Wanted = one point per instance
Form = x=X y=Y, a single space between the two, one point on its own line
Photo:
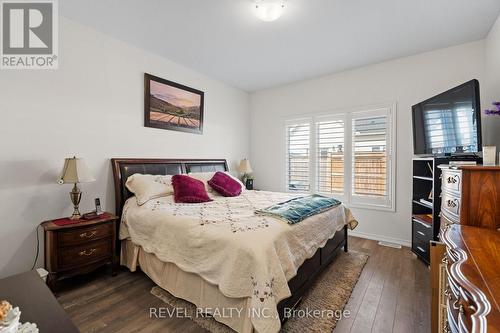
x=88 y=235
x=447 y=293
x=87 y=253
x=420 y=233
x=421 y=249
x=458 y=306
x=452 y=203
x=452 y=179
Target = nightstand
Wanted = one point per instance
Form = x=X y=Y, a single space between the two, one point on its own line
x=79 y=248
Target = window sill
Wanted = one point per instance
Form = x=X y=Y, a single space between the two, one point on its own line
x=391 y=209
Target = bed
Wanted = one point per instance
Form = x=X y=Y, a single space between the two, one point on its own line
x=213 y=276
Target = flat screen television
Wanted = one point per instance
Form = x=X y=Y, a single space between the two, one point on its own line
x=450 y=123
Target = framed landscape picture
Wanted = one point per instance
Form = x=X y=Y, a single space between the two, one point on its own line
x=172 y=106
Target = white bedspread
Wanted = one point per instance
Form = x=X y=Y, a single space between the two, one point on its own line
x=225 y=243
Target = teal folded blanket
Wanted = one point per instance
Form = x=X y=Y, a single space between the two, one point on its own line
x=298 y=209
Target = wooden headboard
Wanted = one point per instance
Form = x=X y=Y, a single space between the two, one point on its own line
x=126 y=167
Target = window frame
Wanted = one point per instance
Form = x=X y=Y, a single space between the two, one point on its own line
x=349 y=200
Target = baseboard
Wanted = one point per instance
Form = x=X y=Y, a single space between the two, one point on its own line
x=380 y=238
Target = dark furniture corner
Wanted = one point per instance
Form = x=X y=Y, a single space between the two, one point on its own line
x=80 y=248
x=37 y=304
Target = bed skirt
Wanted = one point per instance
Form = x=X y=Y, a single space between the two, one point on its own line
x=188 y=286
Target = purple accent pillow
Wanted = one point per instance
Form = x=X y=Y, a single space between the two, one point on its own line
x=225 y=185
x=189 y=190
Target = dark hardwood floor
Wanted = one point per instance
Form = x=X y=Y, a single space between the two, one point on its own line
x=392 y=295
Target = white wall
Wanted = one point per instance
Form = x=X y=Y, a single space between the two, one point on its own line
x=93 y=107
x=405 y=81
x=492 y=92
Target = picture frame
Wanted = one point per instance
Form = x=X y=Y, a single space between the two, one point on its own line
x=172 y=106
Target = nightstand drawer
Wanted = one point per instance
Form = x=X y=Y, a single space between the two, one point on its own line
x=84 y=235
x=78 y=255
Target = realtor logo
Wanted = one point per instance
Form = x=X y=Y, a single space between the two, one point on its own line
x=29 y=34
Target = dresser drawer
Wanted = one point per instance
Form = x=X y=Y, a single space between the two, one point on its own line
x=84 y=235
x=422 y=231
x=450 y=205
x=446 y=221
x=451 y=180
x=85 y=253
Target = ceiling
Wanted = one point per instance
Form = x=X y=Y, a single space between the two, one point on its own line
x=224 y=40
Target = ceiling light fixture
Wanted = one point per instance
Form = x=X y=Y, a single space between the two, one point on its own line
x=269 y=10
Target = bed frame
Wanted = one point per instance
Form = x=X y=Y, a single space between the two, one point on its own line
x=308 y=271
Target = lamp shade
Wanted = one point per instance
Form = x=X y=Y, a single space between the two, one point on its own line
x=245 y=167
x=75 y=170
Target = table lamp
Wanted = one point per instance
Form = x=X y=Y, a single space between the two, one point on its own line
x=246 y=169
x=75 y=171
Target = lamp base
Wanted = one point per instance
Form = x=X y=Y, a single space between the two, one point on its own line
x=76 y=215
x=76 y=196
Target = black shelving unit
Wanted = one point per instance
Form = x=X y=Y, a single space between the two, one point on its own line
x=426 y=185
x=425 y=221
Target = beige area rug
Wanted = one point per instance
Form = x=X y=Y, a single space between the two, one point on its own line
x=330 y=292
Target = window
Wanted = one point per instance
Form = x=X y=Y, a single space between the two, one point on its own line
x=330 y=155
x=298 y=142
x=344 y=155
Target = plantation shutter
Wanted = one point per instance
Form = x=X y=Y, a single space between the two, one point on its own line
x=330 y=148
x=371 y=157
x=298 y=155
x=348 y=156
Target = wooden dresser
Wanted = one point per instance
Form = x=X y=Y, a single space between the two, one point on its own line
x=472 y=286
x=465 y=266
x=471 y=196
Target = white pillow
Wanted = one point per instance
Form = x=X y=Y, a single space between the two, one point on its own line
x=147 y=187
x=206 y=176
